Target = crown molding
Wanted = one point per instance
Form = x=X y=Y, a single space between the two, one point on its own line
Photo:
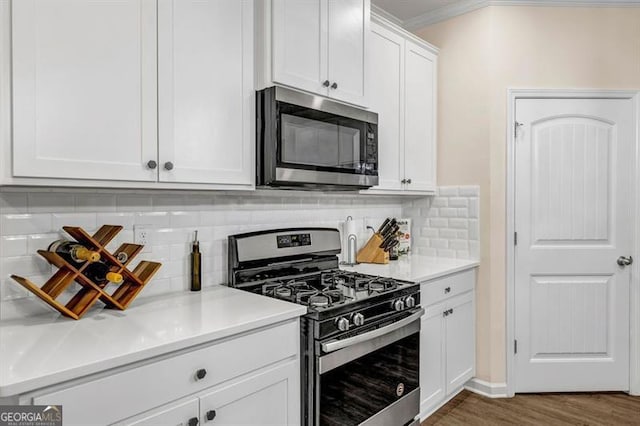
x=465 y=6
x=386 y=15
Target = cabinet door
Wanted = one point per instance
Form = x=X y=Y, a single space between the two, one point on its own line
x=84 y=89
x=299 y=43
x=348 y=27
x=420 y=116
x=175 y=414
x=269 y=398
x=460 y=342
x=206 y=96
x=432 y=359
x=385 y=60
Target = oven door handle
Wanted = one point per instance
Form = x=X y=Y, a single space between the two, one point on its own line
x=334 y=345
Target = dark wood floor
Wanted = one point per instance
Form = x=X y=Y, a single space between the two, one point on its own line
x=539 y=409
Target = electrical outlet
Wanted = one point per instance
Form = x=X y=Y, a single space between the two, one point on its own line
x=142 y=234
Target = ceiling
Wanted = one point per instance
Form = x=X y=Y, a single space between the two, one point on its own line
x=407 y=9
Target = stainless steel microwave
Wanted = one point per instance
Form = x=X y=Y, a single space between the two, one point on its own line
x=310 y=142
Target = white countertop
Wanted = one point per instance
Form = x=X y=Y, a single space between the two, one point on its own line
x=415 y=268
x=44 y=350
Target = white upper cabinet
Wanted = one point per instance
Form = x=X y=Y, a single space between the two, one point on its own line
x=132 y=93
x=315 y=45
x=419 y=119
x=348 y=25
x=300 y=44
x=386 y=84
x=402 y=90
x=84 y=89
x=206 y=96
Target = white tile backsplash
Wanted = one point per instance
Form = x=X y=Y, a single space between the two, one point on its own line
x=32 y=219
x=444 y=225
x=447 y=224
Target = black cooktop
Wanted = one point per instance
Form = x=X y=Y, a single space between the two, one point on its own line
x=330 y=289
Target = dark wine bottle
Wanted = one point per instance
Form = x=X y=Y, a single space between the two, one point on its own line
x=100 y=273
x=74 y=252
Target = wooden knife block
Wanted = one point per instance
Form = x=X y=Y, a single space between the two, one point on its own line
x=372 y=253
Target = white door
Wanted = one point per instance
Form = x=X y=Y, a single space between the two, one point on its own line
x=420 y=114
x=348 y=27
x=574 y=205
x=270 y=398
x=206 y=95
x=385 y=56
x=175 y=414
x=299 y=34
x=84 y=89
x=460 y=341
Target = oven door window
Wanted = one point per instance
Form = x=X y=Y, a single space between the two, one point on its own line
x=314 y=140
x=359 y=389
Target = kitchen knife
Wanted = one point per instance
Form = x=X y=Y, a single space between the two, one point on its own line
x=394 y=230
x=385 y=223
x=386 y=241
x=388 y=230
x=392 y=245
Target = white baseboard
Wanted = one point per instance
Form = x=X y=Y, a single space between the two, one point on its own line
x=488 y=389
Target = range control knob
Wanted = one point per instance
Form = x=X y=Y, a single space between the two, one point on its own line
x=410 y=302
x=343 y=324
x=358 y=319
x=398 y=305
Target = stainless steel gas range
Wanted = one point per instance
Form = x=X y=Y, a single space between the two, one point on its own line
x=361 y=336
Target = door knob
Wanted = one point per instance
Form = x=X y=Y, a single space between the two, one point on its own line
x=408 y=180
x=211 y=414
x=625 y=261
x=326 y=83
x=193 y=421
x=334 y=85
x=168 y=165
x=152 y=164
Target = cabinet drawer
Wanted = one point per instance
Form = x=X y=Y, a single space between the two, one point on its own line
x=126 y=393
x=442 y=288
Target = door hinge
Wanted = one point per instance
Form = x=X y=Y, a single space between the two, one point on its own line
x=515 y=238
x=516 y=126
x=515 y=346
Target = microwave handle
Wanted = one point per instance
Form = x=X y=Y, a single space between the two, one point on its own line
x=334 y=345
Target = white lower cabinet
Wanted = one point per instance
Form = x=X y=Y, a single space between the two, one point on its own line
x=263 y=399
x=260 y=399
x=447 y=339
x=253 y=378
x=174 y=414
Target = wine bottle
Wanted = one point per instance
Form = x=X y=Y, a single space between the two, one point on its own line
x=74 y=252
x=100 y=273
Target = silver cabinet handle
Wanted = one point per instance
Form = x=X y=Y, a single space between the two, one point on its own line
x=152 y=164
x=168 y=165
x=625 y=261
x=334 y=345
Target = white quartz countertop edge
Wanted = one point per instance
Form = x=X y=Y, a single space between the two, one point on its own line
x=416 y=268
x=19 y=339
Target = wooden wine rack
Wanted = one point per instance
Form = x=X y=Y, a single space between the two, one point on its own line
x=133 y=282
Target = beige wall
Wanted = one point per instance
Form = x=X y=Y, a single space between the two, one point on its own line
x=482 y=54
